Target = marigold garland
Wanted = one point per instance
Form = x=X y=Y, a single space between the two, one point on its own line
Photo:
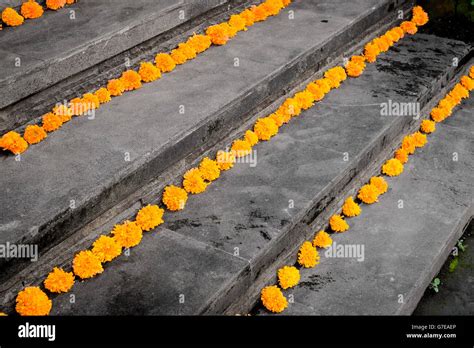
x=63 y=112
x=103 y=95
x=199 y=43
x=149 y=72
x=194 y=182
x=116 y=87
x=165 y=62
x=86 y=265
x=92 y=100
x=209 y=169
x=304 y=99
x=34 y=134
x=316 y=91
x=251 y=137
x=52 y=122
x=13 y=142
x=178 y=56
x=369 y=194
x=174 y=198
x=419 y=139
x=128 y=234
x=409 y=27
x=32 y=301
x=467 y=83
x=401 y=155
x=288 y=277
x=131 y=80
x=338 y=224
x=273 y=299
x=322 y=240
x=149 y=217
x=351 y=208
x=55 y=4
x=59 y=281
x=265 y=128
x=408 y=144
x=379 y=183
x=392 y=167
x=106 y=248
x=237 y=22
x=219 y=33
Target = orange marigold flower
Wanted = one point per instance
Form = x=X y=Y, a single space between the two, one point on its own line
x=419 y=139
x=13 y=142
x=260 y=13
x=288 y=277
x=219 y=33
x=467 y=83
x=131 y=80
x=128 y=234
x=209 y=169
x=115 y=87
x=371 y=51
x=399 y=32
x=103 y=95
x=308 y=256
x=64 y=112
x=273 y=299
x=351 y=208
x=388 y=39
x=149 y=217
x=34 y=134
x=188 y=50
x=354 y=70
x=199 y=43
x=338 y=224
x=194 y=182
x=241 y=148
x=409 y=27
x=322 y=240
x=249 y=17
x=382 y=44
x=369 y=194
x=392 y=167
x=279 y=118
x=149 y=72
x=52 y=122
x=86 y=265
x=70 y=2
x=408 y=144
x=251 y=137
x=439 y=114
x=79 y=106
x=401 y=155
x=459 y=92
x=32 y=301
x=304 y=99
x=164 y=62
x=92 y=100
x=316 y=91
x=55 y=4
x=273 y=7
x=59 y=281
x=334 y=77
x=178 y=56
x=237 y=22
x=471 y=72
x=324 y=84
x=31 y=9
x=428 y=126
x=448 y=103
x=289 y=108
x=420 y=17
x=174 y=198
x=106 y=248
x=12 y=18
x=379 y=183
x=225 y=160
x=265 y=128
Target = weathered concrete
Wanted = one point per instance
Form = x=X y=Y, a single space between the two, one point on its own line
x=55 y=46
x=248 y=210
x=84 y=162
x=404 y=248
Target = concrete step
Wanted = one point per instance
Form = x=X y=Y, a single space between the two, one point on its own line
x=232 y=237
x=404 y=248
x=56 y=48
x=82 y=170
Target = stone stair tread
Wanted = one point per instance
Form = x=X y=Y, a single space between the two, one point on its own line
x=54 y=47
x=85 y=158
x=404 y=248
x=247 y=207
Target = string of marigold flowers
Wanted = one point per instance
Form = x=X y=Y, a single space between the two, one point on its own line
x=130 y=80
x=308 y=257
x=89 y=263
x=272 y=297
x=30 y=9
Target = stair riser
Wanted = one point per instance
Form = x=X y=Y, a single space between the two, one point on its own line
x=217 y=127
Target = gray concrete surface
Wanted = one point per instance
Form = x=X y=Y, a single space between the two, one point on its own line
x=404 y=247
x=55 y=46
x=84 y=162
x=247 y=211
